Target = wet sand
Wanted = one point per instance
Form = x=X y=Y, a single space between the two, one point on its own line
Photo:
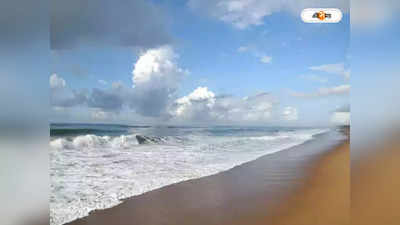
x=307 y=184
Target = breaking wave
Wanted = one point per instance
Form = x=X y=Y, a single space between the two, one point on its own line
x=91 y=171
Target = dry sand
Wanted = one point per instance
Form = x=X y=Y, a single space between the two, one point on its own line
x=375 y=186
x=325 y=199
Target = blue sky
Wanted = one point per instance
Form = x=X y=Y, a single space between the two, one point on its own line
x=227 y=60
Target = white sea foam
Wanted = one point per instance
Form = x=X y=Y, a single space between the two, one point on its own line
x=92 y=142
x=59 y=143
x=293 y=135
x=94 y=172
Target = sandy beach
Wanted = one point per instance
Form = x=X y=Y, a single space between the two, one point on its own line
x=325 y=199
x=375 y=185
x=307 y=184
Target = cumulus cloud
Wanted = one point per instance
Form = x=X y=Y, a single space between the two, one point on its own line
x=56 y=81
x=157 y=68
x=68 y=98
x=338 y=69
x=290 y=113
x=255 y=108
x=62 y=96
x=197 y=105
x=202 y=105
x=266 y=59
x=325 y=91
x=108 y=100
x=156 y=77
x=128 y=23
x=111 y=100
x=244 y=13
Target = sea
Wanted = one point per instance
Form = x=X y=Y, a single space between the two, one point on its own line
x=97 y=166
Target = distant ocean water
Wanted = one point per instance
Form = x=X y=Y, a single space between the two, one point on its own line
x=95 y=166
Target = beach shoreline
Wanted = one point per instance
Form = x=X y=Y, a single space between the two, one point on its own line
x=251 y=193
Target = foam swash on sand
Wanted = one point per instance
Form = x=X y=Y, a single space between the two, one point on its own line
x=98 y=169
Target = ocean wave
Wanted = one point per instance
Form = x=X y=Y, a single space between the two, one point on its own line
x=77 y=131
x=90 y=141
x=62 y=130
x=91 y=172
x=299 y=135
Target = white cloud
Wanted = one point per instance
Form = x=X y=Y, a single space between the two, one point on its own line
x=158 y=67
x=102 y=82
x=341 y=118
x=325 y=91
x=108 y=100
x=156 y=77
x=200 y=95
x=244 y=13
x=203 y=105
x=243 y=49
x=290 y=113
x=56 y=81
x=338 y=69
x=266 y=59
x=341 y=89
x=312 y=77
x=62 y=96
